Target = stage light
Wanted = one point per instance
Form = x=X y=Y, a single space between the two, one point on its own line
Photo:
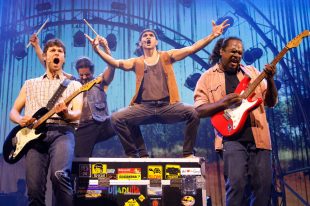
x=112 y=42
x=41 y=7
x=48 y=36
x=191 y=81
x=186 y=3
x=230 y=22
x=251 y=55
x=79 y=39
x=116 y=6
x=19 y=51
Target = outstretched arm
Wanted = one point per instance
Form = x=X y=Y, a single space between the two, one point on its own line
x=123 y=64
x=179 y=54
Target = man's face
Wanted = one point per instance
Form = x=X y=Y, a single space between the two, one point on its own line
x=148 y=40
x=85 y=75
x=54 y=58
x=231 y=56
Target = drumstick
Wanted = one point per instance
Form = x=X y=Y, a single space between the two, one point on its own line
x=91 y=27
x=37 y=33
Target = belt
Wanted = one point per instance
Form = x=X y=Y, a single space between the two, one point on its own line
x=160 y=102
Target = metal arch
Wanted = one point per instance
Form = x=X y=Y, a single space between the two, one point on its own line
x=134 y=27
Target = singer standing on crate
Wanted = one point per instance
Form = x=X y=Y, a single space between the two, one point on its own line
x=156 y=99
x=56 y=149
x=246 y=154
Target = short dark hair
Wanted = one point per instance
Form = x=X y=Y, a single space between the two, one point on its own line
x=220 y=44
x=54 y=42
x=148 y=30
x=84 y=62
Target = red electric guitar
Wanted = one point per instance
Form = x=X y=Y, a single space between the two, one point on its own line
x=231 y=120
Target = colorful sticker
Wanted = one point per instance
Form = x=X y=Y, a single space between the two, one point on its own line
x=188 y=201
x=131 y=202
x=124 y=190
x=155 y=202
x=99 y=170
x=129 y=173
x=172 y=171
x=190 y=171
x=155 y=172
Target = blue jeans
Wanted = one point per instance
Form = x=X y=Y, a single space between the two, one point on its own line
x=247 y=171
x=154 y=112
x=55 y=150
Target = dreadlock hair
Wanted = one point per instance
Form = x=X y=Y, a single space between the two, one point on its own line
x=220 y=44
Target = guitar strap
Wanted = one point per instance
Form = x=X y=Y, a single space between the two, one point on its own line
x=51 y=103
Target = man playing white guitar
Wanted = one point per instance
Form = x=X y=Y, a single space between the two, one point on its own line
x=56 y=147
x=247 y=152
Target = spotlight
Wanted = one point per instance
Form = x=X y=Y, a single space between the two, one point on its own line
x=230 y=22
x=186 y=3
x=79 y=39
x=116 y=6
x=48 y=36
x=191 y=81
x=251 y=55
x=41 y=7
x=112 y=42
x=19 y=50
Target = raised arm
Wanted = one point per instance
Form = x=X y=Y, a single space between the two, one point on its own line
x=123 y=64
x=179 y=54
x=35 y=42
x=271 y=97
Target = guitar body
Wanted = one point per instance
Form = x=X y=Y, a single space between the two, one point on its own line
x=19 y=139
x=231 y=120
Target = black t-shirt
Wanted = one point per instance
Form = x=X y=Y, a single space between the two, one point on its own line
x=245 y=135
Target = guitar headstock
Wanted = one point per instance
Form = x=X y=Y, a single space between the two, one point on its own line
x=90 y=84
x=296 y=41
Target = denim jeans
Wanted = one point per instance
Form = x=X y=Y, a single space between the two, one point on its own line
x=55 y=150
x=155 y=112
x=247 y=173
x=88 y=134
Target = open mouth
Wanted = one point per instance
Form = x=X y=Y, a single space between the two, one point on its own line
x=148 y=41
x=56 y=60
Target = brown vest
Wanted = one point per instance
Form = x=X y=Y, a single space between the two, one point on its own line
x=168 y=69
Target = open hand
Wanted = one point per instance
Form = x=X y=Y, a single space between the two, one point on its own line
x=217 y=30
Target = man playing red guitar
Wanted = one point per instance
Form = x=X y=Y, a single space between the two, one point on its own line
x=246 y=154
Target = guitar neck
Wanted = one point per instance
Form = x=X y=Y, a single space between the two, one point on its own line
x=263 y=75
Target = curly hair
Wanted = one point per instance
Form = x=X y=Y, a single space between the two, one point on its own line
x=220 y=44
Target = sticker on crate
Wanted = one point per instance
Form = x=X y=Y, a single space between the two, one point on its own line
x=155 y=172
x=154 y=191
x=188 y=201
x=124 y=190
x=172 y=171
x=132 y=202
x=98 y=170
x=155 y=202
x=84 y=170
x=190 y=171
x=129 y=173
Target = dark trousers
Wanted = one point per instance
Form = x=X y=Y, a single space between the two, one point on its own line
x=88 y=134
x=54 y=151
x=155 y=112
x=247 y=173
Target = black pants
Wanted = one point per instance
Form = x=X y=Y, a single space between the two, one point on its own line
x=155 y=112
x=93 y=132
